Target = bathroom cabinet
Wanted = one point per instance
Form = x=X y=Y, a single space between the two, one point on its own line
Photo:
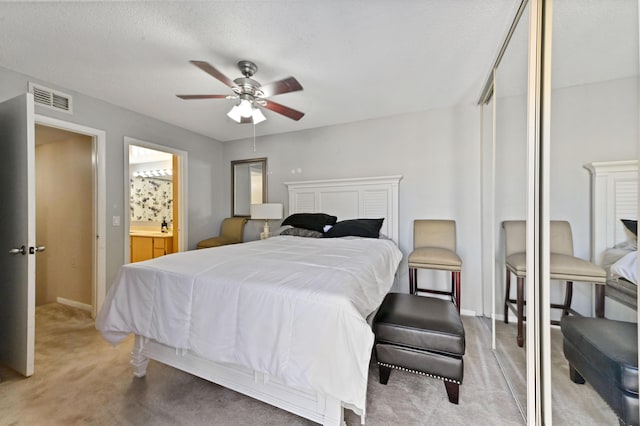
x=150 y=245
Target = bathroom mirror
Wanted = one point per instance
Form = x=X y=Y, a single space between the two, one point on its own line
x=248 y=185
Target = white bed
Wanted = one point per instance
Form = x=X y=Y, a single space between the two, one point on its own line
x=614 y=196
x=307 y=350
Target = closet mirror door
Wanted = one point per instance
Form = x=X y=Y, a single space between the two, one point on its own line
x=594 y=118
x=510 y=204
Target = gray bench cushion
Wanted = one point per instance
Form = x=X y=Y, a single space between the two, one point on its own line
x=610 y=345
x=423 y=323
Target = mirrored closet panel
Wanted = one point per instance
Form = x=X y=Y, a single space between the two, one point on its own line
x=594 y=127
x=510 y=204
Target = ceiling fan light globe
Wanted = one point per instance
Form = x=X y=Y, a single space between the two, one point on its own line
x=245 y=108
x=258 y=116
x=234 y=114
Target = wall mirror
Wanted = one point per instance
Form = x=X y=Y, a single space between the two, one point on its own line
x=248 y=185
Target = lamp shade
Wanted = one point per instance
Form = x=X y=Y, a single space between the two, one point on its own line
x=266 y=211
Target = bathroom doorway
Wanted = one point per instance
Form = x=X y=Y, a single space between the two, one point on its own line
x=155 y=195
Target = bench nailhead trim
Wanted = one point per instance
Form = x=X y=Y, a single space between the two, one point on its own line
x=420 y=372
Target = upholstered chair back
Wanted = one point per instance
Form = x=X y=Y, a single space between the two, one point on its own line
x=232 y=228
x=434 y=233
x=515 y=234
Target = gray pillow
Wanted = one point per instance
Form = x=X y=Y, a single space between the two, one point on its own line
x=301 y=232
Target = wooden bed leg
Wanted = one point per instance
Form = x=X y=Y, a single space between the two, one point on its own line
x=139 y=361
x=333 y=412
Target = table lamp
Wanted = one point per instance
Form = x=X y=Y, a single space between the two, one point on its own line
x=266 y=211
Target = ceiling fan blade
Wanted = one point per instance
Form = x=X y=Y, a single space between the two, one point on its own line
x=281 y=109
x=289 y=84
x=209 y=69
x=206 y=96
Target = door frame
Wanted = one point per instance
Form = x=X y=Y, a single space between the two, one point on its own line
x=182 y=190
x=99 y=275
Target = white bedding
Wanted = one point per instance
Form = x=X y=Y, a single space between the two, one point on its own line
x=292 y=307
x=626 y=267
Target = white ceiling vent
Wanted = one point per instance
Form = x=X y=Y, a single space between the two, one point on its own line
x=51 y=98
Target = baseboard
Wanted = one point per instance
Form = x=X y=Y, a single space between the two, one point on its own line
x=467 y=312
x=500 y=317
x=74 y=304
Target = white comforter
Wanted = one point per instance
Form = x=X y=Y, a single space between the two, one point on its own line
x=292 y=307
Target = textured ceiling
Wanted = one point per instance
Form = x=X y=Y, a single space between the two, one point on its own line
x=357 y=60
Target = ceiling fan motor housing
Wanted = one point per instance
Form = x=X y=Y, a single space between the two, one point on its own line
x=247 y=68
x=247 y=86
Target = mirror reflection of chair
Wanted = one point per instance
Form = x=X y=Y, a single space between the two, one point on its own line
x=434 y=247
x=564 y=266
x=231 y=232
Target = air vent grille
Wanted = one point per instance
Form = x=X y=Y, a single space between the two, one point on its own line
x=51 y=98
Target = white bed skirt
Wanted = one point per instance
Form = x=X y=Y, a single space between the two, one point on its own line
x=310 y=404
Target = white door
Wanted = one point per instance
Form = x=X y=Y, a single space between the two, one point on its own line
x=17 y=233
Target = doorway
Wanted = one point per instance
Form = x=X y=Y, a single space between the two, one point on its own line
x=155 y=192
x=64 y=217
x=97 y=217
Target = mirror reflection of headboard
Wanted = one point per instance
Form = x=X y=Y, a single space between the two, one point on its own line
x=614 y=196
x=352 y=198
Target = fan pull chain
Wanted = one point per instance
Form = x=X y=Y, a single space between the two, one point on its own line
x=254 y=137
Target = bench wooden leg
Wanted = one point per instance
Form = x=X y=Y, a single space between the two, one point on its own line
x=575 y=376
x=453 y=391
x=384 y=373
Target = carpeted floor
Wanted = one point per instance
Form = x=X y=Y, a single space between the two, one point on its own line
x=81 y=379
x=573 y=404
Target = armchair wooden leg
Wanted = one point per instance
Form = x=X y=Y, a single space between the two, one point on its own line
x=384 y=373
x=453 y=391
x=506 y=296
x=455 y=289
x=412 y=283
x=600 y=300
x=520 y=304
x=568 y=296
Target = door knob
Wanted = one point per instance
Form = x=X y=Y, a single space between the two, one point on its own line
x=35 y=249
x=20 y=250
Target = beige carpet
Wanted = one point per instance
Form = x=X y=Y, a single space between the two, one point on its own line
x=573 y=404
x=81 y=379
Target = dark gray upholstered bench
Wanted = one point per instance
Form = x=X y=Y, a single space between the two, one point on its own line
x=422 y=335
x=605 y=353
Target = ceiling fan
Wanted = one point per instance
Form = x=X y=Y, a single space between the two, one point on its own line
x=252 y=94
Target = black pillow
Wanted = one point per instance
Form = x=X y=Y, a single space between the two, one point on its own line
x=631 y=225
x=313 y=221
x=368 y=228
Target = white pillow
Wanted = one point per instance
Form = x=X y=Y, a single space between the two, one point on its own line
x=627 y=267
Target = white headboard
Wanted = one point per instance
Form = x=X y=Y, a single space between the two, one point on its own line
x=614 y=196
x=371 y=197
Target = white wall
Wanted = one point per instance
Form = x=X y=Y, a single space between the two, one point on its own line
x=437 y=152
x=207 y=172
